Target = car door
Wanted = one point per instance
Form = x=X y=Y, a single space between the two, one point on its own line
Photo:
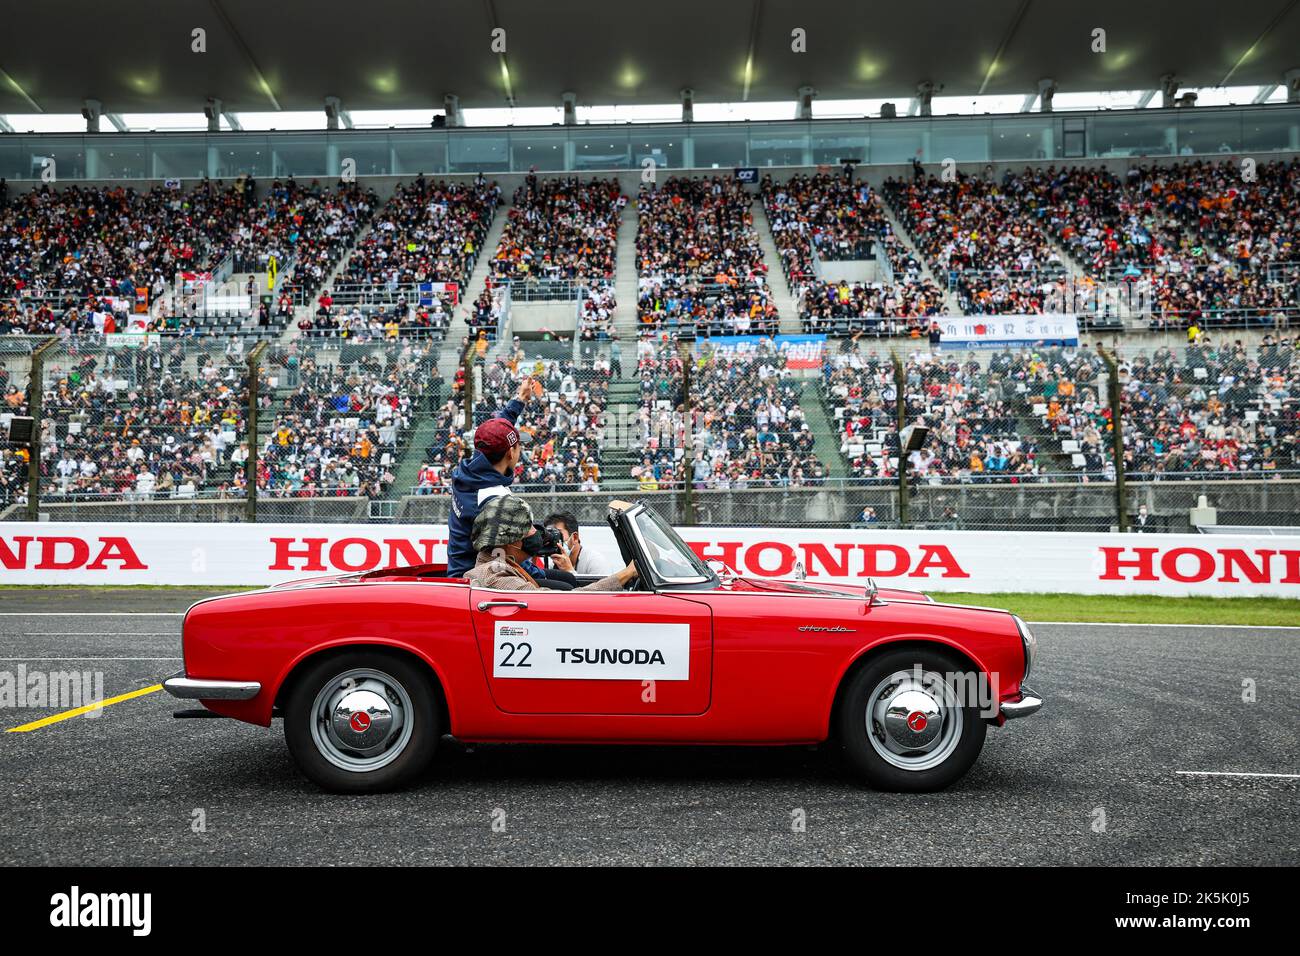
x=594 y=652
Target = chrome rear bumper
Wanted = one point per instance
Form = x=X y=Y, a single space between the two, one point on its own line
x=188 y=688
x=1028 y=703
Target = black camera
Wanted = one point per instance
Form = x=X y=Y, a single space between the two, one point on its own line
x=543 y=542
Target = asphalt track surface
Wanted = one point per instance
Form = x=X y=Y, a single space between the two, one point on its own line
x=1128 y=707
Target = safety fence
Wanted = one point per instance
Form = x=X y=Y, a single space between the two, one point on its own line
x=1160 y=438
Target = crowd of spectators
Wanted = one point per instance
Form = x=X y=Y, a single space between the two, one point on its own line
x=561 y=229
x=155 y=422
x=747 y=427
x=840 y=308
x=14 y=457
x=834 y=217
x=66 y=245
x=982 y=236
x=727 y=306
x=970 y=413
x=830 y=216
x=342 y=428
x=310 y=227
x=699 y=229
x=1042 y=414
x=1206 y=409
x=565 y=424
x=429 y=231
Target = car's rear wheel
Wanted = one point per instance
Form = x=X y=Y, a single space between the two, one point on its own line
x=361 y=721
x=903 y=722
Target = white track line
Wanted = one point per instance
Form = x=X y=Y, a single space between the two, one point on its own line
x=1246 y=627
x=1231 y=773
x=92 y=613
x=91 y=658
x=104 y=634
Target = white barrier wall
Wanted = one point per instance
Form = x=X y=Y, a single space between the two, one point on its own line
x=241 y=554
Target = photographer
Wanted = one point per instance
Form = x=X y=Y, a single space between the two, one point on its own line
x=504 y=537
x=582 y=560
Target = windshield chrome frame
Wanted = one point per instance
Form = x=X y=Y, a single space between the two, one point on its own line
x=634 y=529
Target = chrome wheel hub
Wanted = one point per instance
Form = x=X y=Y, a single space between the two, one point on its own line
x=914 y=720
x=361 y=720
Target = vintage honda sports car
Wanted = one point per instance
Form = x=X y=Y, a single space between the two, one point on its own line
x=369 y=671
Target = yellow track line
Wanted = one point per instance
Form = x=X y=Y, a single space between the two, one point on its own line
x=78 y=711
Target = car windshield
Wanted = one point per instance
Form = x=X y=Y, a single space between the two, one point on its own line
x=673 y=561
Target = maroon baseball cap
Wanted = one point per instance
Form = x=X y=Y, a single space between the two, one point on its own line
x=496 y=436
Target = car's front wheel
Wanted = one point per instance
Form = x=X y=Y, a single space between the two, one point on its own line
x=906 y=721
x=361 y=721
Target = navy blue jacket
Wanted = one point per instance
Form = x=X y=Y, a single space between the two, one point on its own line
x=473 y=483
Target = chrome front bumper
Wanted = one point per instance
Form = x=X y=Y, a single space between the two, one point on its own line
x=188 y=688
x=1028 y=703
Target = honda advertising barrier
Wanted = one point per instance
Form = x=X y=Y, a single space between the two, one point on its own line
x=254 y=554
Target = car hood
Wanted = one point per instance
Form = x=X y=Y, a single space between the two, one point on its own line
x=814 y=587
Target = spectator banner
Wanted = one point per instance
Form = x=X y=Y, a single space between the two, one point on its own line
x=231 y=554
x=996 y=331
x=427 y=290
x=801 y=351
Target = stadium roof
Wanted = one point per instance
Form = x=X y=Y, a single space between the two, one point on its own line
x=395 y=54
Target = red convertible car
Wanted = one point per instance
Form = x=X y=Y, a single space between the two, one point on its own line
x=369 y=671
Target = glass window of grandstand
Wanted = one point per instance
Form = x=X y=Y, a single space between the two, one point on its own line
x=1028 y=139
x=543 y=151
x=901 y=145
x=966 y=141
x=1209 y=132
x=54 y=160
x=778 y=148
x=478 y=153
x=117 y=161
x=371 y=153
x=1265 y=130
x=720 y=148
x=664 y=147
x=1115 y=136
x=14 y=161
x=179 y=157
x=829 y=150
x=300 y=156
x=600 y=150
x=419 y=153
x=249 y=158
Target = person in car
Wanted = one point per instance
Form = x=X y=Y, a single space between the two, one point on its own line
x=503 y=534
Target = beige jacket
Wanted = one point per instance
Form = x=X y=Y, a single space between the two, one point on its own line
x=503 y=574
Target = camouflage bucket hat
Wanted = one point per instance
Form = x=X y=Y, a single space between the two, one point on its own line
x=504 y=519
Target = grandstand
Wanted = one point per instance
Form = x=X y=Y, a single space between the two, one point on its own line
x=710 y=306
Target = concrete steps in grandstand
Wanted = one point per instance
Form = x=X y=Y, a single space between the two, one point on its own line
x=625 y=275
x=783 y=296
x=825 y=435
x=950 y=302
x=1029 y=427
x=477 y=281
x=406 y=474
x=619 y=450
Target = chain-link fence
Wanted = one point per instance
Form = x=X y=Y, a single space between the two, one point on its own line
x=15 y=403
x=198 y=429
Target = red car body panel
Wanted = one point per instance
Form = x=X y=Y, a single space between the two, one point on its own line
x=766 y=658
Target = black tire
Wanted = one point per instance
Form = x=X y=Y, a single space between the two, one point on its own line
x=415 y=754
x=854 y=733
